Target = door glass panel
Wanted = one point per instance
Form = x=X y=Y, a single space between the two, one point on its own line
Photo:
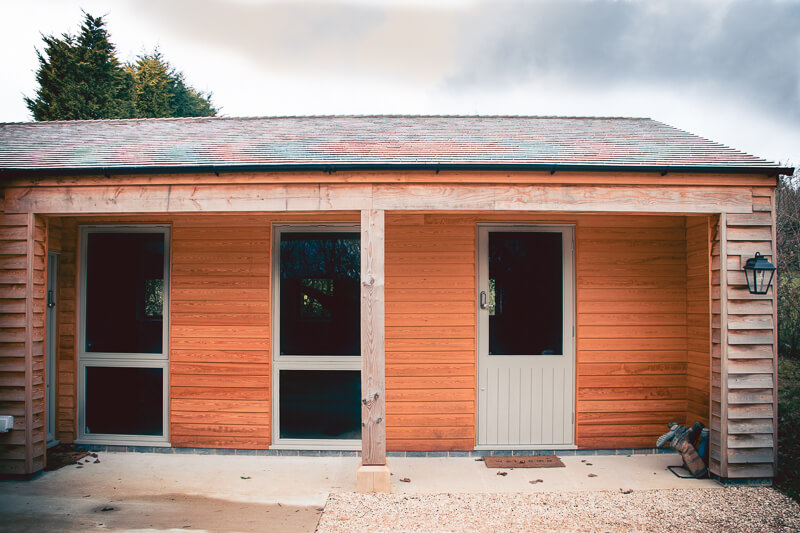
x=320 y=404
x=526 y=288
x=124 y=400
x=320 y=294
x=125 y=292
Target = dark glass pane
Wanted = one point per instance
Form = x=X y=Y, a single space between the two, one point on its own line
x=124 y=401
x=525 y=275
x=320 y=294
x=125 y=292
x=320 y=404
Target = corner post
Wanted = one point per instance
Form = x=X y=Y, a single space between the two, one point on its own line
x=373 y=475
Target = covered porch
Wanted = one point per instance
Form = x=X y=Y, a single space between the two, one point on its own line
x=658 y=327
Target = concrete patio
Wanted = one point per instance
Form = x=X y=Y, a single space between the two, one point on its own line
x=157 y=492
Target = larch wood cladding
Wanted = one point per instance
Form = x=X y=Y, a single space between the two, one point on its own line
x=430 y=332
x=66 y=337
x=631 y=329
x=698 y=317
x=23 y=244
x=220 y=332
x=744 y=364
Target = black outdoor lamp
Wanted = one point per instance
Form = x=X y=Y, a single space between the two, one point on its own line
x=759 y=273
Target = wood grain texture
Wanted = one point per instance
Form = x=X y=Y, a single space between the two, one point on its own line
x=698 y=318
x=274 y=197
x=220 y=372
x=430 y=344
x=22 y=367
x=748 y=365
x=632 y=329
x=373 y=367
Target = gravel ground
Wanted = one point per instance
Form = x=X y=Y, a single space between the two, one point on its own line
x=730 y=509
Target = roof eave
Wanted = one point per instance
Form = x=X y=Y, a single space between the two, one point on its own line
x=334 y=167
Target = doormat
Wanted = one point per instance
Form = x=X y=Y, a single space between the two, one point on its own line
x=522 y=461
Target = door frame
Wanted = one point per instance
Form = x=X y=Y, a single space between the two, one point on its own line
x=280 y=362
x=569 y=319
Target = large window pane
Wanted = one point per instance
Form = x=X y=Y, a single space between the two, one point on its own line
x=320 y=404
x=124 y=400
x=124 y=292
x=320 y=293
x=526 y=288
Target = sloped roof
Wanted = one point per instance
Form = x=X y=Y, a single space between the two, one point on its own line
x=354 y=142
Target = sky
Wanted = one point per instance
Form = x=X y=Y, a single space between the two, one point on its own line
x=727 y=70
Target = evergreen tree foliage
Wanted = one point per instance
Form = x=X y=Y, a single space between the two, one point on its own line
x=151 y=82
x=161 y=91
x=80 y=77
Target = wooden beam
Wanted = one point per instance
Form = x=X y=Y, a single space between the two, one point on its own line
x=247 y=197
x=373 y=379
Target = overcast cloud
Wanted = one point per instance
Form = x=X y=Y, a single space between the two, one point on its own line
x=724 y=69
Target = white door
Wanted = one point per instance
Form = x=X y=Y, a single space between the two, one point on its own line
x=50 y=370
x=526 y=343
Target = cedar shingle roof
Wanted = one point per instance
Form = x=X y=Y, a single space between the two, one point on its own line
x=331 y=142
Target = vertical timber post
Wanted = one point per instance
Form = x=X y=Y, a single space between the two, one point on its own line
x=373 y=474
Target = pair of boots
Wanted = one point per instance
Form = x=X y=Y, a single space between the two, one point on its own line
x=686 y=441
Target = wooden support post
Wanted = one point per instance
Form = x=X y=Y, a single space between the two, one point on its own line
x=373 y=476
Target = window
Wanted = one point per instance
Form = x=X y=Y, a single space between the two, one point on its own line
x=317 y=340
x=123 y=356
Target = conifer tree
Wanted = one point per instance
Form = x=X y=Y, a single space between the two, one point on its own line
x=81 y=78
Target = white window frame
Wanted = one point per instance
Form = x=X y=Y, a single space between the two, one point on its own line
x=302 y=362
x=122 y=359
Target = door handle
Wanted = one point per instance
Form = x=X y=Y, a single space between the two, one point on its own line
x=485 y=303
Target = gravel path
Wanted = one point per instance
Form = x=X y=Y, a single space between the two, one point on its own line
x=730 y=509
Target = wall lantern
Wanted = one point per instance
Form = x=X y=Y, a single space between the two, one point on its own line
x=759 y=273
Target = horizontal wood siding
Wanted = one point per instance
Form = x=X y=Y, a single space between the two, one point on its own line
x=631 y=329
x=698 y=317
x=749 y=416
x=66 y=339
x=23 y=241
x=430 y=332
x=219 y=332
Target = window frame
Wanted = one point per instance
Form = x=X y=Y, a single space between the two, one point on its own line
x=122 y=359
x=302 y=362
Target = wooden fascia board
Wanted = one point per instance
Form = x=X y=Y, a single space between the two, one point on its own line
x=68 y=200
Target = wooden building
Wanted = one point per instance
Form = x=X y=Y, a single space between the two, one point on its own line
x=383 y=283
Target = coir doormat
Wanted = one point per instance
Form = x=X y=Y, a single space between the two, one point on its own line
x=522 y=461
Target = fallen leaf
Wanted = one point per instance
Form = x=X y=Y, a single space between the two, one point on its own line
x=92 y=455
x=626 y=491
x=107 y=508
x=502 y=473
x=588 y=464
x=96 y=461
x=535 y=481
x=405 y=479
x=245 y=477
x=592 y=475
x=88 y=496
